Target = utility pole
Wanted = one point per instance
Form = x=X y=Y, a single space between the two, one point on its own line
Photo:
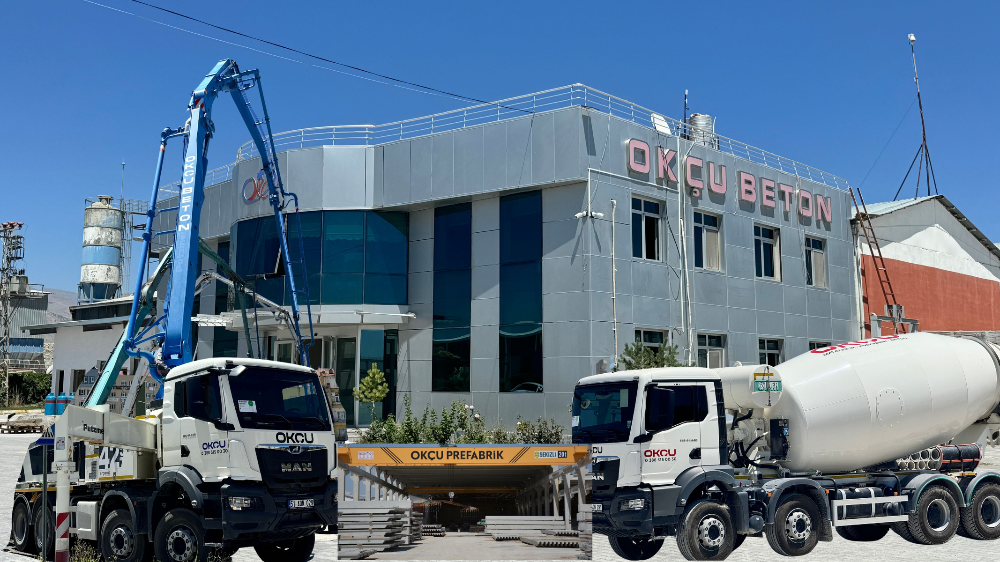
x=923 y=153
x=13 y=252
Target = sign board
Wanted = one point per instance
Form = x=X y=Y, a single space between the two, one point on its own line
x=460 y=455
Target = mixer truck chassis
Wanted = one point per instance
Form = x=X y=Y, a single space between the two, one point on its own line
x=710 y=511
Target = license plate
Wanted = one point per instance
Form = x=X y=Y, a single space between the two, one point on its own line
x=597 y=507
x=301 y=504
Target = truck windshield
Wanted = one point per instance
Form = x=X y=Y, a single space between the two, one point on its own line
x=276 y=399
x=602 y=413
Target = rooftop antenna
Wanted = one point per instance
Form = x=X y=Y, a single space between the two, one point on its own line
x=923 y=153
x=685 y=112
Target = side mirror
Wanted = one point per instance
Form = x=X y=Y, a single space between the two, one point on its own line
x=659 y=409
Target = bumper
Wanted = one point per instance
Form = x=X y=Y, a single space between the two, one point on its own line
x=272 y=519
x=616 y=522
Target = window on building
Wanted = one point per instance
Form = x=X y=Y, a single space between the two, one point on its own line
x=645 y=229
x=652 y=339
x=815 y=262
x=767 y=252
x=770 y=351
x=711 y=351
x=706 y=242
x=521 y=292
x=451 y=351
x=818 y=345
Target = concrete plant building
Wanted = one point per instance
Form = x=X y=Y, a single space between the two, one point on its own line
x=497 y=254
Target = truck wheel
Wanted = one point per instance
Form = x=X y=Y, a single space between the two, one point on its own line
x=981 y=520
x=119 y=539
x=180 y=537
x=295 y=550
x=50 y=525
x=20 y=527
x=937 y=517
x=635 y=549
x=795 y=530
x=903 y=530
x=863 y=533
x=706 y=532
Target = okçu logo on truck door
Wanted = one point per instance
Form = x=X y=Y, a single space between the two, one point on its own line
x=659 y=455
x=294 y=437
x=214 y=447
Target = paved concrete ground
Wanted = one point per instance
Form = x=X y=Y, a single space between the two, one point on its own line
x=474 y=546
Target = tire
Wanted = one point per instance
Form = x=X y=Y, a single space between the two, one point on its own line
x=706 y=532
x=50 y=525
x=20 y=528
x=903 y=530
x=180 y=537
x=738 y=540
x=295 y=550
x=795 y=531
x=981 y=519
x=936 y=519
x=119 y=539
x=864 y=533
x=635 y=549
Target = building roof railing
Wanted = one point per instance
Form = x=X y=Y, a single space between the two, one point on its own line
x=548 y=100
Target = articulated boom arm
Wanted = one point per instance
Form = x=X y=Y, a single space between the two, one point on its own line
x=175 y=338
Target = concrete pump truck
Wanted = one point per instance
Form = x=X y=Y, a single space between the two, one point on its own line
x=859 y=438
x=232 y=452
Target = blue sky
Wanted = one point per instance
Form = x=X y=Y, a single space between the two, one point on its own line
x=825 y=84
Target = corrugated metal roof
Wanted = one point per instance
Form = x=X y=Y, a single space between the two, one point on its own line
x=878 y=209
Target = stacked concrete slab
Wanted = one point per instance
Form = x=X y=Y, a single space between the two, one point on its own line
x=434 y=530
x=370 y=525
x=505 y=528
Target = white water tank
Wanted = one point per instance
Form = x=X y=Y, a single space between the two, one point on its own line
x=864 y=403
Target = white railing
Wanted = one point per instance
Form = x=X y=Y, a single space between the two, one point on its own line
x=548 y=100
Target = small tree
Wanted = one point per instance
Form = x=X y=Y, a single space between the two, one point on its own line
x=372 y=388
x=638 y=356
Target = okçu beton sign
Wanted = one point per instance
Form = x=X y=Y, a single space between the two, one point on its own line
x=471 y=455
x=749 y=188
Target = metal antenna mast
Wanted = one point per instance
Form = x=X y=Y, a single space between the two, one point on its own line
x=923 y=153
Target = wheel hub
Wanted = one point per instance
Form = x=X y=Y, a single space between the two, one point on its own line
x=121 y=541
x=798 y=525
x=711 y=532
x=181 y=545
x=989 y=512
x=938 y=515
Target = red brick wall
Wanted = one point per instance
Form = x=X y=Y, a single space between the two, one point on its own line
x=938 y=299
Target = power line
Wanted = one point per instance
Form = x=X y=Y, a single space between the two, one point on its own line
x=888 y=141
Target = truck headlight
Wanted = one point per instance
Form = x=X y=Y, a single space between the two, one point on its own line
x=632 y=505
x=240 y=503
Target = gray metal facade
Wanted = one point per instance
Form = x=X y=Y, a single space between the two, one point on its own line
x=558 y=152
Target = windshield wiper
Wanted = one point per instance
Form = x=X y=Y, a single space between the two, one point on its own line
x=279 y=416
x=322 y=423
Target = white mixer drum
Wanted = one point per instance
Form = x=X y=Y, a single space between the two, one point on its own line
x=863 y=403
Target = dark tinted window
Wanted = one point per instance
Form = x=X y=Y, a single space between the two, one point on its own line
x=343 y=242
x=199 y=398
x=452 y=298
x=690 y=404
x=276 y=399
x=385 y=243
x=521 y=292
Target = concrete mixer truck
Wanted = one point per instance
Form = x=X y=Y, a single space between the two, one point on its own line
x=859 y=438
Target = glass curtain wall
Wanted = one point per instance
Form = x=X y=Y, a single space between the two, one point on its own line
x=350 y=257
x=521 y=292
x=452 y=298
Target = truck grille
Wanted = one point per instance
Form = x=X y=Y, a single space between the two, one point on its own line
x=283 y=469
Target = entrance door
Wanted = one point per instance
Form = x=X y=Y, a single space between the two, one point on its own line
x=680 y=407
x=346 y=352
